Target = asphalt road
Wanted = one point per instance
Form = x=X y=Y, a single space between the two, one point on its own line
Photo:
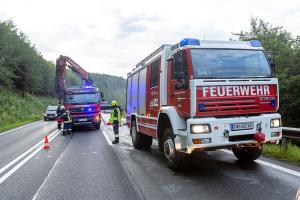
x=85 y=165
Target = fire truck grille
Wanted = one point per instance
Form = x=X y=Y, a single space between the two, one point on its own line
x=223 y=105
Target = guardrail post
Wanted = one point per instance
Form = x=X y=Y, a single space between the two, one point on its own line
x=284 y=143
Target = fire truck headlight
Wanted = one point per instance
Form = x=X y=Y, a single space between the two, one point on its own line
x=275 y=123
x=200 y=129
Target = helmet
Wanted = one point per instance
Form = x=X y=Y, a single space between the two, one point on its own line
x=114 y=103
x=62 y=107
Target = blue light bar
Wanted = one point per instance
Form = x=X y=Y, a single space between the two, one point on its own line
x=255 y=43
x=189 y=41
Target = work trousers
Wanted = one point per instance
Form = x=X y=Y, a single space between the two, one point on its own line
x=68 y=126
x=116 y=129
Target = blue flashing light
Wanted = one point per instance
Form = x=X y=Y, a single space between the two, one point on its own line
x=89 y=109
x=273 y=103
x=201 y=107
x=255 y=43
x=189 y=41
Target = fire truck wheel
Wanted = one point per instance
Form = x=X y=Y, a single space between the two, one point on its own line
x=137 y=137
x=174 y=158
x=97 y=126
x=147 y=141
x=247 y=153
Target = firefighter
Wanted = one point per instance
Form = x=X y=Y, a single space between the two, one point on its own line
x=67 y=122
x=59 y=112
x=115 y=120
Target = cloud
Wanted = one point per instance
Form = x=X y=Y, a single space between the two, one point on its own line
x=112 y=36
x=128 y=25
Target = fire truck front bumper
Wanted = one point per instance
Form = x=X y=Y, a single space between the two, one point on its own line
x=216 y=133
x=86 y=120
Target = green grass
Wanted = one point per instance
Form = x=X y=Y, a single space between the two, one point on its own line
x=289 y=153
x=16 y=110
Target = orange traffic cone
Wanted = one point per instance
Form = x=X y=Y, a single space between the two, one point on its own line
x=46 y=145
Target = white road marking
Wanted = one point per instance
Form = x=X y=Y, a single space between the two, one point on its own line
x=107 y=138
x=24 y=154
x=277 y=167
x=95 y=152
x=38 y=191
x=25 y=160
x=19 y=127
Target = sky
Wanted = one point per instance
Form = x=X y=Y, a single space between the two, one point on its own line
x=112 y=36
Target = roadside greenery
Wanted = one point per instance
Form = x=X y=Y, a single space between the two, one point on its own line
x=16 y=110
x=285 y=51
x=290 y=153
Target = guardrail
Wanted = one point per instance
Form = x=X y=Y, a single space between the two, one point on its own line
x=291 y=133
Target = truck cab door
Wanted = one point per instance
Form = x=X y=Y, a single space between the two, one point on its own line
x=178 y=84
x=153 y=99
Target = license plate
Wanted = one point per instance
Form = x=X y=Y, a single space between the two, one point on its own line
x=242 y=126
x=82 y=120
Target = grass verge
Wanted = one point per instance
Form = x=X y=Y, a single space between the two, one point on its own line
x=290 y=153
x=11 y=126
x=16 y=110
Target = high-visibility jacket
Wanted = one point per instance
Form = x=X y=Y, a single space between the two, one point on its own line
x=115 y=115
x=66 y=117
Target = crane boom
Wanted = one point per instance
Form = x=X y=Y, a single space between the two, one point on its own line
x=61 y=63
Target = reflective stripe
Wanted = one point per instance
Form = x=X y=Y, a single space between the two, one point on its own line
x=116 y=135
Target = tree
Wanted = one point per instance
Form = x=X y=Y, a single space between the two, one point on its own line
x=286 y=53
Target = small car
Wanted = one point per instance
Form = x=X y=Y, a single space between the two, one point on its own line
x=50 y=113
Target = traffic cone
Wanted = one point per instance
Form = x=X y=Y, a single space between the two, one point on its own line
x=46 y=145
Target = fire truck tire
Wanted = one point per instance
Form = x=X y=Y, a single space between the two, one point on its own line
x=147 y=141
x=137 y=137
x=176 y=160
x=247 y=153
x=97 y=126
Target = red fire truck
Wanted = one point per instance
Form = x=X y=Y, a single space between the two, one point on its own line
x=83 y=101
x=204 y=95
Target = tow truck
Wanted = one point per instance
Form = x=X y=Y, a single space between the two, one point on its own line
x=83 y=101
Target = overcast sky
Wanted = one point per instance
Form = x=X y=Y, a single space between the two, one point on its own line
x=112 y=36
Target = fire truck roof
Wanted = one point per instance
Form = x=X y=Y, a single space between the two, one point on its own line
x=187 y=43
x=195 y=43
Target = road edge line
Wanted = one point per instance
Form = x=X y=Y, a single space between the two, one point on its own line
x=56 y=162
x=109 y=142
x=20 y=127
x=5 y=167
x=24 y=161
x=271 y=165
x=128 y=173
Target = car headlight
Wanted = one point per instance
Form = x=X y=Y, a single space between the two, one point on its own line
x=275 y=123
x=200 y=128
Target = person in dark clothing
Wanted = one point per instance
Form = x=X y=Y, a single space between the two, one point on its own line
x=115 y=120
x=59 y=112
x=67 y=122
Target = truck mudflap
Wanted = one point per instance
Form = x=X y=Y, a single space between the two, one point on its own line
x=225 y=132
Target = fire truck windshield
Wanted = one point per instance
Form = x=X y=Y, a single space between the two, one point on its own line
x=82 y=98
x=229 y=63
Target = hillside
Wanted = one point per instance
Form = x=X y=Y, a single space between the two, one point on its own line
x=27 y=79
